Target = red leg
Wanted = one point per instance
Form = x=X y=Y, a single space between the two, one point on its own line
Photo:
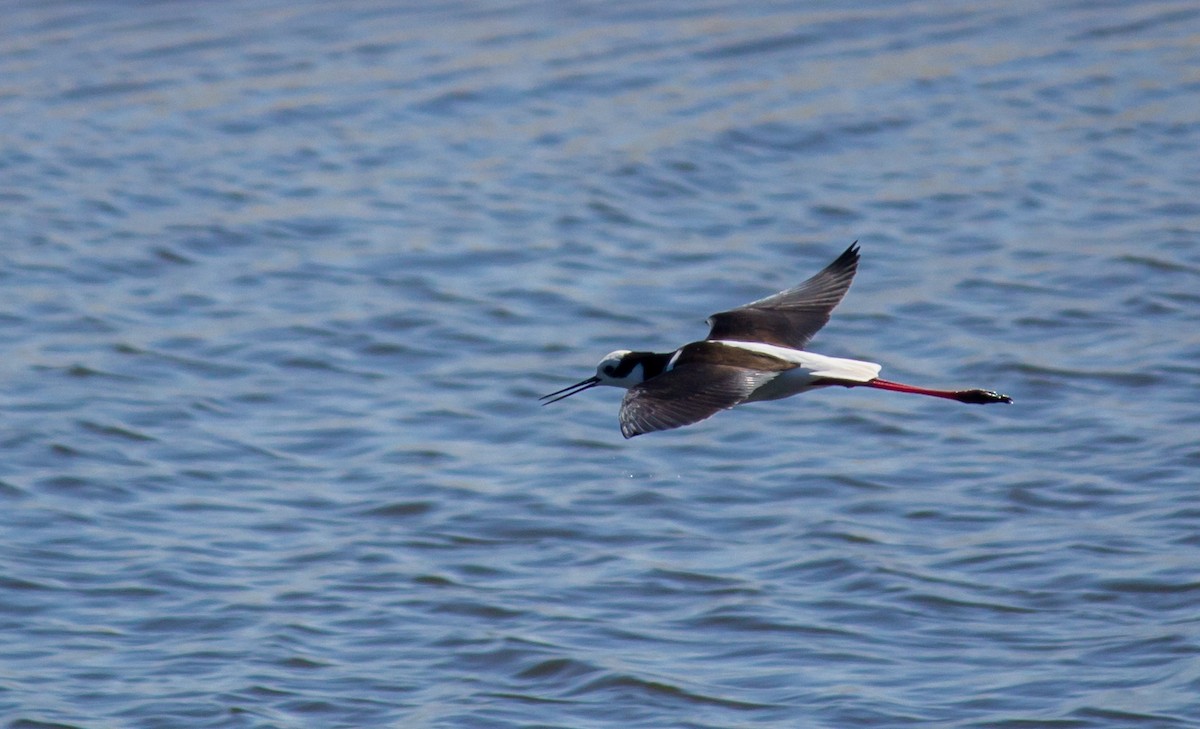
x=976 y=397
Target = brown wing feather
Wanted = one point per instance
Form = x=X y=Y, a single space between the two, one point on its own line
x=790 y=318
x=686 y=395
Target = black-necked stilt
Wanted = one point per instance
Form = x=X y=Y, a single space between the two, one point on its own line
x=754 y=352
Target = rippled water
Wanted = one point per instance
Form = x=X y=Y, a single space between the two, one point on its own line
x=282 y=282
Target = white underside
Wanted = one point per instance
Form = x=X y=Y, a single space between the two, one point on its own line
x=810 y=368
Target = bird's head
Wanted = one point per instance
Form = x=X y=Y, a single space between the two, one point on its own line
x=621 y=368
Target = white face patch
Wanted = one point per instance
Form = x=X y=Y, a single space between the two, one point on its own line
x=617 y=370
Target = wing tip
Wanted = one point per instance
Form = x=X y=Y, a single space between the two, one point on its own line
x=850 y=256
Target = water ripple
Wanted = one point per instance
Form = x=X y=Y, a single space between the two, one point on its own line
x=283 y=286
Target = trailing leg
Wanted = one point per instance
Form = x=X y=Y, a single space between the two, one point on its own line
x=974 y=397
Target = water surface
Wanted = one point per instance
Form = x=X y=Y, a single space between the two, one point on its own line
x=282 y=282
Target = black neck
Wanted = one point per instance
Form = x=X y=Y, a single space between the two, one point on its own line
x=653 y=363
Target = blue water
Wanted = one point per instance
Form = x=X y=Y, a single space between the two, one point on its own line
x=282 y=282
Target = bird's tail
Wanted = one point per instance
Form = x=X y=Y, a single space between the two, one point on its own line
x=836 y=368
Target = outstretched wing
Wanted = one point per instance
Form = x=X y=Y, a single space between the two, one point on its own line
x=686 y=395
x=789 y=318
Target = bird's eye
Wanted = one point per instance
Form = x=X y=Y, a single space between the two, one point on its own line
x=609 y=369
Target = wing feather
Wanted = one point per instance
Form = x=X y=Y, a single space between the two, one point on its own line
x=686 y=395
x=790 y=318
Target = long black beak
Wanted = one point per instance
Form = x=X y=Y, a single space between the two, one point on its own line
x=573 y=389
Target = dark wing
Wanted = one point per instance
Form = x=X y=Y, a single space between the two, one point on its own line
x=789 y=318
x=686 y=395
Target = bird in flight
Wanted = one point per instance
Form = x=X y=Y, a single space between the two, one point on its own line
x=754 y=352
